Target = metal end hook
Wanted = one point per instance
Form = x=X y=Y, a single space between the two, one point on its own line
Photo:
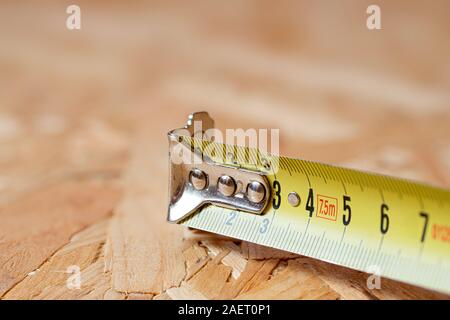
x=197 y=125
x=195 y=180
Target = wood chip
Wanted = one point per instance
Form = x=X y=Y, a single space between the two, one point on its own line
x=193 y=255
x=342 y=280
x=295 y=282
x=255 y=272
x=256 y=251
x=210 y=280
x=234 y=259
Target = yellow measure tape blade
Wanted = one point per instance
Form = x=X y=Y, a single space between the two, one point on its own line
x=368 y=222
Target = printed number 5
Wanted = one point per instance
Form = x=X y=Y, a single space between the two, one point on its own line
x=347 y=218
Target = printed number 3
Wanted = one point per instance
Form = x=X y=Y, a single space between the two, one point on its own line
x=277 y=199
x=264 y=226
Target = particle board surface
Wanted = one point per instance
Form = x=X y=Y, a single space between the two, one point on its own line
x=83 y=151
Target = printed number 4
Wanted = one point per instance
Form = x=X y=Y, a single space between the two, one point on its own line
x=310 y=202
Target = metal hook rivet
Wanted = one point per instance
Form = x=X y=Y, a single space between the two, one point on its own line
x=226 y=185
x=256 y=192
x=198 y=179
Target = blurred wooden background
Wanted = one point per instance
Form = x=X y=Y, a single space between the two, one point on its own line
x=83 y=118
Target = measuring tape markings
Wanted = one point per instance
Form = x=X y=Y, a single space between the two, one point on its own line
x=402 y=272
x=346 y=233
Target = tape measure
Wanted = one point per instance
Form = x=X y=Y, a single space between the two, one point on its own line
x=368 y=222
